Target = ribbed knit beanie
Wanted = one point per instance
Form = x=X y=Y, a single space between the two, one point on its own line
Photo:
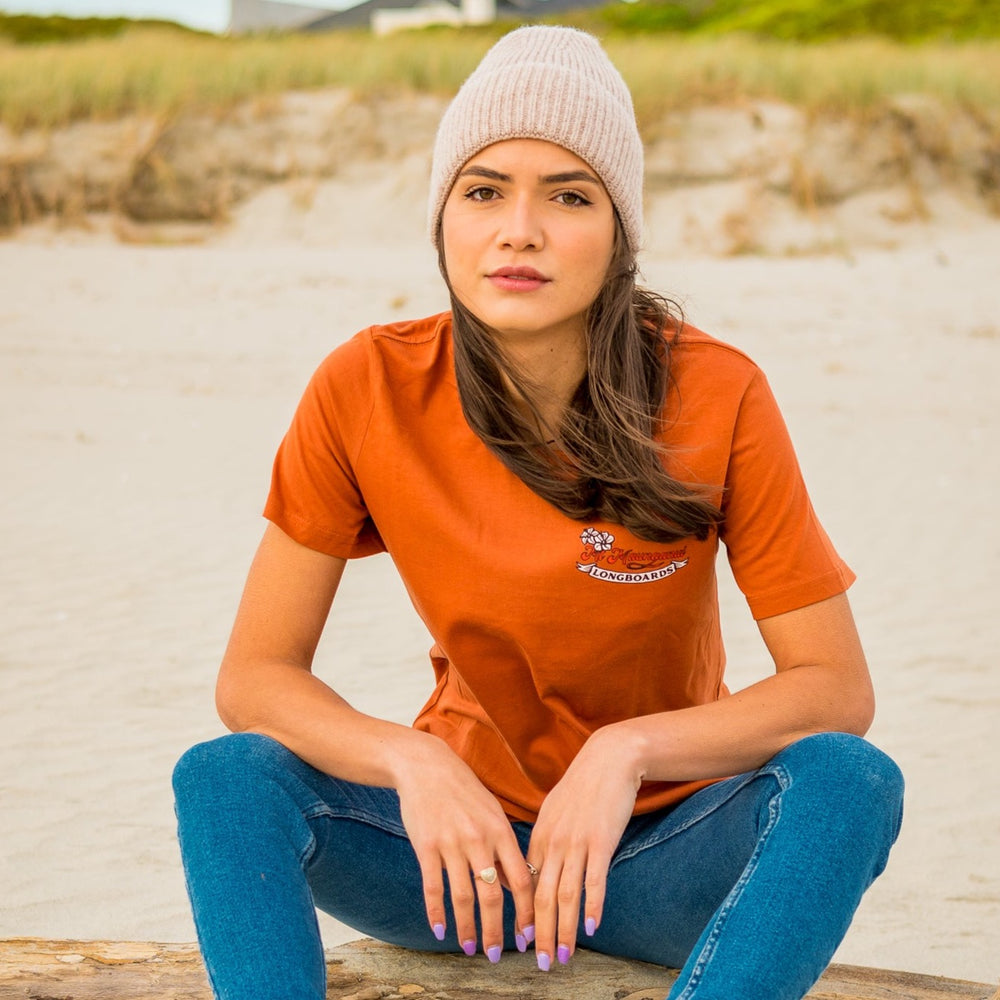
x=543 y=82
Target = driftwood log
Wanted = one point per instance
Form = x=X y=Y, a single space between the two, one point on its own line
x=36 y=969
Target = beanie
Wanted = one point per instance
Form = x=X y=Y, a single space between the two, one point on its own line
x=553 y=83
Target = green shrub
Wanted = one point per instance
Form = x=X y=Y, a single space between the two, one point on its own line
x=649 y=16
x=28 y=29
x=811 y=20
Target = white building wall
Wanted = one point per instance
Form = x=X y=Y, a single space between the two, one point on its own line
x=479 y=11
x=261 y=15
x=385 y=21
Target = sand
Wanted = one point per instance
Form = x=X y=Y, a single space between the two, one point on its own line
x=144 y=389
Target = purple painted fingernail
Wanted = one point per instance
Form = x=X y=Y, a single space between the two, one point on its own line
x=529 y=933
x=562 y=953
x=544 y=962
x=439 y=931
x=521 y=941
x=493 y=953
x=469 y=947
x=590 y=925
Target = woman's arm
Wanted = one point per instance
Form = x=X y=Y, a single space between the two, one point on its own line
x=265 y=682
x=821 y=684
x=266 y=685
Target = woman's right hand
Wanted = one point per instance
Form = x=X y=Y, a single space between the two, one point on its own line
x=456 y=826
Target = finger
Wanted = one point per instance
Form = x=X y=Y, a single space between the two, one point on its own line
x=433 y=888
x=490 y=893
x=595 y=888
x=517 y=878
x=569 y=897
x=463 y=902
x=546 y=910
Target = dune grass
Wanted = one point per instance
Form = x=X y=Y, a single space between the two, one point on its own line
x=851 y=77
x=810 y=20
x=157 y=72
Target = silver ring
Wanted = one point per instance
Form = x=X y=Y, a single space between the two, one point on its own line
x=532 y=870
x=488 y=875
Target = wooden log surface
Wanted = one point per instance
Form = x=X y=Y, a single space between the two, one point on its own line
x=37 y=969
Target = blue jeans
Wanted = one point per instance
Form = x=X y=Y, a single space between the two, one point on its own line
x=748 y=886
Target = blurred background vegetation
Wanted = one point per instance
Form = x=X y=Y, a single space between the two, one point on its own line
x=812 y=20
x=845 y=56
x=28 y=29
x=787 y=20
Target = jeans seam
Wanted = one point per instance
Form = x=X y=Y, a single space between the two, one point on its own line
x=660 y=838
x=307 y=852
x=358 y=815
x=321 y=809
x=730 y=902
x=188 y=888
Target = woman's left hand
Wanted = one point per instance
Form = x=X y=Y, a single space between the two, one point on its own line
x=579 y=827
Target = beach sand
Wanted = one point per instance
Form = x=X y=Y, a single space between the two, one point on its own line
x=144 y=389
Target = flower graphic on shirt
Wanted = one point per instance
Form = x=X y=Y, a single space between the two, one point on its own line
x=602 y=560
x=600 y=540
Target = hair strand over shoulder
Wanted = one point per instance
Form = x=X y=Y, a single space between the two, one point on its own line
x=607 y=463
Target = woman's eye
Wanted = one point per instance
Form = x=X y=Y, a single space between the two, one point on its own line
x=481 y=194
x=571 y=198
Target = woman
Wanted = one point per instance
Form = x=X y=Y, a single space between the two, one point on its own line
x=552 y=466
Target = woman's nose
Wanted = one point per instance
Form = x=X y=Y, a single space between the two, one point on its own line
x=520 y=227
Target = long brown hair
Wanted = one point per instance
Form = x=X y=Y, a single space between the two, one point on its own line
x=606 y=463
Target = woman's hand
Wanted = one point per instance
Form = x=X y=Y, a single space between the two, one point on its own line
x=579 y=827
x=457 y=826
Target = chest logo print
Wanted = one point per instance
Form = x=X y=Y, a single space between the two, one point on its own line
x=601 y=559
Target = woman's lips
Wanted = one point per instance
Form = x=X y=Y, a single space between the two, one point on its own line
x=517 y=279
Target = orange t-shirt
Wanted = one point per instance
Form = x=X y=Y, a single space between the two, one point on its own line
x=546 y=628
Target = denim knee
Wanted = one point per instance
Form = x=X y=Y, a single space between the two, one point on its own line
x=229 y=762
x=858 y=783
x=845 y=759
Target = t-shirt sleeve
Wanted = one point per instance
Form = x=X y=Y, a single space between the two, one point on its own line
x=315 y=497
x=780 y=555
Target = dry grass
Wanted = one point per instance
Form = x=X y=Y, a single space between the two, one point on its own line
x=851 y=77
x=158 y=72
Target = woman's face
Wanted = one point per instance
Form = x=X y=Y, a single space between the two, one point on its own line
x=527 y=232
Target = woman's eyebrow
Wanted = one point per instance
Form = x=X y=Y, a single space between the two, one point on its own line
x=566 y=177
x=493 y=175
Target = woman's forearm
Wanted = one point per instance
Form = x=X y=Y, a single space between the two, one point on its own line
x=743 y=731
x=266 y=684
x=293 y=706
x=821 y=684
